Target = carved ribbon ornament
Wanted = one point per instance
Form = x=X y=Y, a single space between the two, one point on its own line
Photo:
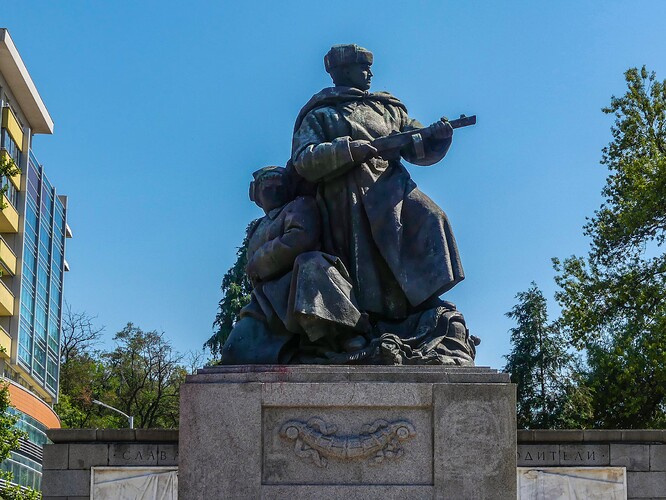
x=316 y=440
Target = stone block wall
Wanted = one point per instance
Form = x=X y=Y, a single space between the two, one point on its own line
x=642 y=452
x=67 y=462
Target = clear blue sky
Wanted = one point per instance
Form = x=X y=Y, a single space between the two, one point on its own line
x=163 y=109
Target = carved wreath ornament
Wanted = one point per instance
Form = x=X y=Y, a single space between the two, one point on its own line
x=316 y=440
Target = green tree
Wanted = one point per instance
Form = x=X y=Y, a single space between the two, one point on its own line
x=614 y=299
x=146 y=373
x=540 y=365
x=8 y=168
x=83 y=376
x=9 y=441
x=236 y=289
x=140 y=376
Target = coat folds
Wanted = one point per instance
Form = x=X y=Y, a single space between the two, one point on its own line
x=396 y=243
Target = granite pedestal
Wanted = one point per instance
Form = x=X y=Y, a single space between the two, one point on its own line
x=350 y=432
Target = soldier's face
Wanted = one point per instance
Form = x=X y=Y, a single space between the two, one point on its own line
x=358 y=76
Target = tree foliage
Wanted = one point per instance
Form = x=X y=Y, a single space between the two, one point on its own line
x=540 y=365
x=146 y=377
x=236 y=289
x=614 y=299
x=634 y=211
x=141 y=376
x=9 y=441
x=8 y=168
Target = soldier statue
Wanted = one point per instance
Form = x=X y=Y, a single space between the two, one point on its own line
x=391 y=246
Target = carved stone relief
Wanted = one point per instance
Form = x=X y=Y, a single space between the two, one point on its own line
x=317 y=441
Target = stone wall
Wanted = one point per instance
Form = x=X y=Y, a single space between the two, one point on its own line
x=642 y=452
x=68 y=461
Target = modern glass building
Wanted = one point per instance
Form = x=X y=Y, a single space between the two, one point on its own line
x=33 y=229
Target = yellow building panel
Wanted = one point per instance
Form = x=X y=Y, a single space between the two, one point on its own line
x=7 y=258
x=10 y=122
x=5 y=343
x=16 y=178
x=6 y=301
x=9 y=218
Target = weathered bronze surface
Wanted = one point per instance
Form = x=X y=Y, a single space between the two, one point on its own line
x=353 y=272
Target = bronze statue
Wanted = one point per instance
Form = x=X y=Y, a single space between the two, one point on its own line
x=396 y=242
x=302 y=303
x=390 y=243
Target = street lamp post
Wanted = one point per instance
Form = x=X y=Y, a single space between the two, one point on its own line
x=128 y=417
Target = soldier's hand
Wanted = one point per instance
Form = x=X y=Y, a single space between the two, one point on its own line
x=362 y=151
x=441 y=130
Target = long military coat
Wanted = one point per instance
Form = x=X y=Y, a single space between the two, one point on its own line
x=395 y=241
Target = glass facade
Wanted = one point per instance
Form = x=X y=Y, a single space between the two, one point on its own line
x=26 y=463
x=42 y=277
x=33 y=237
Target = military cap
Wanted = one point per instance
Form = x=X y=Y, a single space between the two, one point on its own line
x=342 y=55
x=261 y=173
x=268 y=170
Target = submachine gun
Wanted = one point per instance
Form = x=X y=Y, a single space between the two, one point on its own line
x=389 y=146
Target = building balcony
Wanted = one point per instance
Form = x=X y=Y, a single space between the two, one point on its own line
x=6 y=301
x=9 y=217
x=7 y=258
x=11 y=124
x=16 y=178
x=5 y=343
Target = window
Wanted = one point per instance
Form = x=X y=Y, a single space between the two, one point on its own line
x=25 y=344
x=11 y=191
x=10 y=146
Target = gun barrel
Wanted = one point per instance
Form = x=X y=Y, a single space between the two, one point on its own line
x=463 y=121
x=398 y=141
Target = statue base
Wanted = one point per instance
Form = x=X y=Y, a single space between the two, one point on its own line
x=304 y=431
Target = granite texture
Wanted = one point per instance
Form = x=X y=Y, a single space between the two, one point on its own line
x=56 y=456
x=655 y=436
x=85 y=456
x=338 y=373
x=658 y=458
x=646 y=484
x=112 y=435
x=65 y=482
x=220 y=441
x=360 y=432
x=347 y=492
x=635 y=457
x=475 y=436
